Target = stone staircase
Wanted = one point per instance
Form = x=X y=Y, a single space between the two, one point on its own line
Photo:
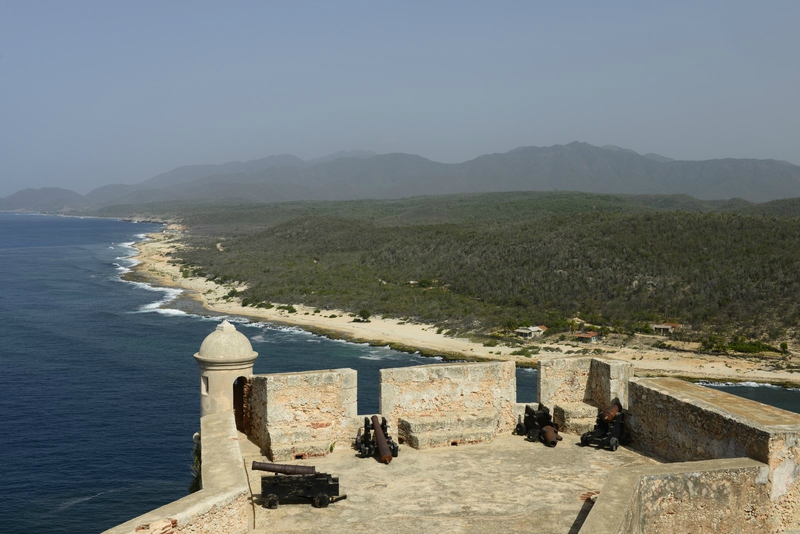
x=446 y=429
x=575 y=417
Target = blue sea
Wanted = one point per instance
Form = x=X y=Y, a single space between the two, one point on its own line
x=99 y=392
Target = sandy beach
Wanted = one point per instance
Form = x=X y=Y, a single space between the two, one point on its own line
x=155 y=268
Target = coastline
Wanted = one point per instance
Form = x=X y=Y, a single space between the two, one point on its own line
x=153 y=267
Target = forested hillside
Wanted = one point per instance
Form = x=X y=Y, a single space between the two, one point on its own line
x=482 y=262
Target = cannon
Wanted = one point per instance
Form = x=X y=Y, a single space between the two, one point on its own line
x=284 y=469
x=375 y=438
x=538 y=425
x=609 y=430
x=296 y=483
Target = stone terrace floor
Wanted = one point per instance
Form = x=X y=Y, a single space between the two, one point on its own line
x=509 y=485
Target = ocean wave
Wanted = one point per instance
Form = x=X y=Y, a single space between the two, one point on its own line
x=69 y=503
x=168 y=311
x=372 y=357
x=170 y=294
x=743 y=384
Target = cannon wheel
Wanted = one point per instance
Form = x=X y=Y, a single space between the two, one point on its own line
x=585 y=439
x=321 y=500
x=271 y=501
x=520 y=430
x=533 y=435
x=613 y=444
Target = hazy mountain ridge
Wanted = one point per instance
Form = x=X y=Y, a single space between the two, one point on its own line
x=361 y=175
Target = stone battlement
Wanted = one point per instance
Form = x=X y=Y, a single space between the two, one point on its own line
x=727 y=463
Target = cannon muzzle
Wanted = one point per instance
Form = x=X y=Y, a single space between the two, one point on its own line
x=285 y=469
x=610 y=413
x=550 y=436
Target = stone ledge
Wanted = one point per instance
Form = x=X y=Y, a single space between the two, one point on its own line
x=442 y=429
x=575 y=417
x=283 y=452
x=429 y=440
x=617 y=510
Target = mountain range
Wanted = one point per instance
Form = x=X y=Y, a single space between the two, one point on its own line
x=362 y=174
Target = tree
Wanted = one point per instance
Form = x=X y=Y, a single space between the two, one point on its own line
x=364 y=315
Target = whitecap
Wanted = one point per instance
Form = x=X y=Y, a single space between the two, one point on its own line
x=743 y=384
x=169 y=311
x=170 y=294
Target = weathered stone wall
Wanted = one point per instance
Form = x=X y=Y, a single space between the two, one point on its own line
x=679 y=421
x=681 y=430
x=564 y=380
x=591 y=380
x=609 y=382
x=302 y=414
x=709 y=496
x=223 y=503
x=784 y=466
x=450 y=388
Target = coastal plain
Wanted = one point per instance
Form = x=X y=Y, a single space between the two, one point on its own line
x=157 y=267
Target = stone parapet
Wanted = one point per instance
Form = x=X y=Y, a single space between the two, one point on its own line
x=458 y=394
x=222 y=505
x=590 y=380
x=609 y=382
x=679 y=421
x=564 y=380
x=728 y=495
x=301 y=415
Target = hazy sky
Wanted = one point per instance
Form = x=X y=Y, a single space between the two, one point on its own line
x=109 y=92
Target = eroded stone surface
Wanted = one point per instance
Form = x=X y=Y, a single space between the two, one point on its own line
x=509 y=485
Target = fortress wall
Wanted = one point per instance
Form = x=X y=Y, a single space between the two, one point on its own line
x=707 y=496
x=679 y=421
x=576 y=380
x=223 y=503
x=679 y=428
x=564 y=380
x=609 y=382
x=432 y=390
x=302 y=414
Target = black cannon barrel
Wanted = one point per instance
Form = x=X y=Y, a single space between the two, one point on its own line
x=285 y=469
x=384 y=452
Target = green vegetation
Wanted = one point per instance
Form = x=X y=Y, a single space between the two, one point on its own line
x=501 y=260
x=717 y=343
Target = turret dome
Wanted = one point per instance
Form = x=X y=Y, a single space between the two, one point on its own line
x=225 y=345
